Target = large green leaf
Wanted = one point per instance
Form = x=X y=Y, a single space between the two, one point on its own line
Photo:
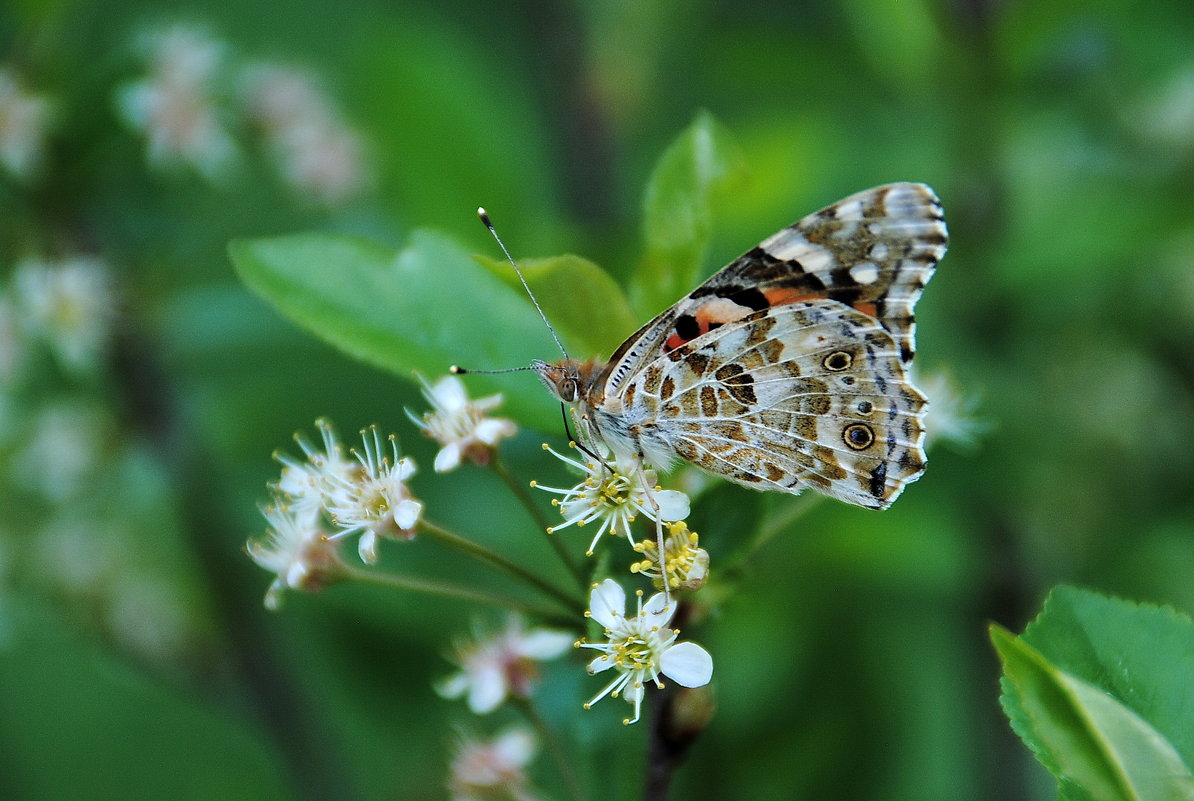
x=1141 y=654
x=1095 y=746
x=677 y=216
x=585 y=305
x=425 y=308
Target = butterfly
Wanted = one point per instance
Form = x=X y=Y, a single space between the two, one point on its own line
x=788 y=368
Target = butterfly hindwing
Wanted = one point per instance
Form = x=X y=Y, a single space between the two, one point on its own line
x=809 y=394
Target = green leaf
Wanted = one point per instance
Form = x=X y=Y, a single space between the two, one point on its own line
x=427 y=307
x=585 y=305
x=1141 y=654
x=677 y=215
x=1091 y=742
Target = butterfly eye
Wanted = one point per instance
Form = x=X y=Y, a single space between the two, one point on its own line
x=569 y=391
x=858 y=436
x=837 y=361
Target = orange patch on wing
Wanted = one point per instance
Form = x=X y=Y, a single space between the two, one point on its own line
x=868 y=309
x=673 y=342
x=782 y=297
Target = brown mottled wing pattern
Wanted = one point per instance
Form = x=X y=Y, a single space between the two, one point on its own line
x=873 y=251
x=808 y=394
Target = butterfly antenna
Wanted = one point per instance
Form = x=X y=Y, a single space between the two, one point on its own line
x=484 y=215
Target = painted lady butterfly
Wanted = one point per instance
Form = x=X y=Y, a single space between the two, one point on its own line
x=788 y=368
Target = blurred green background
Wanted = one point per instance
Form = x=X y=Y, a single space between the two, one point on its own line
x=136 y=660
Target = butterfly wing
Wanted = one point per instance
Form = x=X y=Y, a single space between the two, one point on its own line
x=873 y=251
x=807 y=394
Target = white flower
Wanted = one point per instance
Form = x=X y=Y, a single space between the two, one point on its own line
x=316 y=152
x=950 y=416
x=460 y=425
x=64 y=450
x=488 y=771
x=313 y=482
x=297 y=549
x=70 y=305
x=641 y=648
x=503 y=664
x=23 y=122
x=174 y=107
x=374 y=500
x=685 y=563
x=614 y=493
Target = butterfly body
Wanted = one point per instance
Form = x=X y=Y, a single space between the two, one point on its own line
x=787 y=369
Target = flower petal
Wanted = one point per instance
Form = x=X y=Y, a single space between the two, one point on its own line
x=607 y=604
x=454 y=686
x=487 y=690
x=515 y=747
x=673 y=505
x=406 y=514
x=449 y=394
x=448 y=458
x=543 y=644
x=603 y=662
x=687 y=664
x=490 y=431
x=657 y=612
x=367 y=547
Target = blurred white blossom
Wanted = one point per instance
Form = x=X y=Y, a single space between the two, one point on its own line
x=496 y=666
x=493 y=770
x=63 y=448
x=69 y=304
x=460 y=425
x=175 y=106
x=24 y=121
x=950 y=416
x=316 y=151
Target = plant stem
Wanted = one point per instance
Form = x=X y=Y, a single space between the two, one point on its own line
x=455 y=591
x=483 y=554
x=564 y=767
x=557 y=545
x=672 y=731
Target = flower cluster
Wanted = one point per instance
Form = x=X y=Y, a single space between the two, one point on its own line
x=175 y=105
x=194 y=99
x=329 y=496
x=317 y=154
x=612 y=494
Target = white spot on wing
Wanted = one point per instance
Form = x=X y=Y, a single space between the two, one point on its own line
x=865 y=272
x=788 y=244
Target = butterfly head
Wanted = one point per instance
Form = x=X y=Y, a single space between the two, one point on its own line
x=562 y=379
